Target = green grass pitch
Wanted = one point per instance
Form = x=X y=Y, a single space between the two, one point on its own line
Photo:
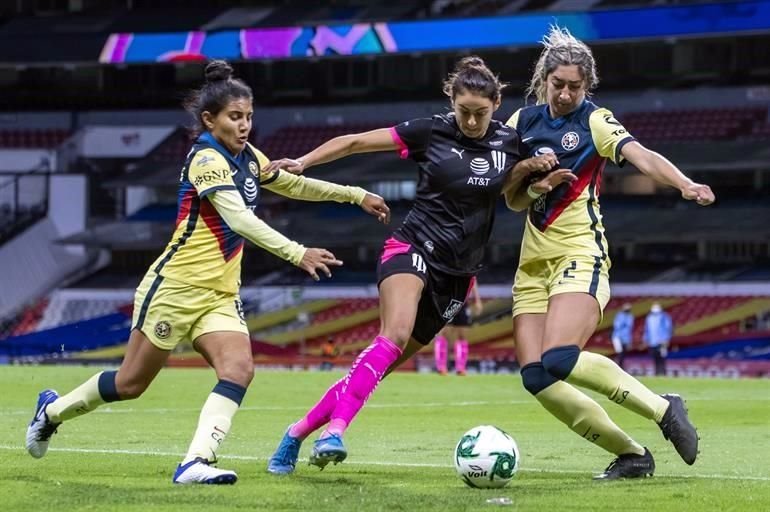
x=122 y=457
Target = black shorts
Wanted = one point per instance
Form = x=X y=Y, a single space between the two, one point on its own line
x=443 y=295
x=462 y=318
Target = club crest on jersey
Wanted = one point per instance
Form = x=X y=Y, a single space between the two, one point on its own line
x=570 y=141
x=479 y=166
x=253 y=168
x=454 y=307
x=250 y=189
x=498 y=160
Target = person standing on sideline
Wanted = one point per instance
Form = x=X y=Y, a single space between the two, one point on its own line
x=658 y=329
x=622 y=333
x=329 y=353
x=456 y=333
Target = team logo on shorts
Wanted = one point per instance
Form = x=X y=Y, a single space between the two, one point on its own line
x=454 y=307
x=163 y=329
x=570 y=141
x=253 y=168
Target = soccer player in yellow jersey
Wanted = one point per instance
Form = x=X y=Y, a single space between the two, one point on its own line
x=561 y=285
x=191 y=291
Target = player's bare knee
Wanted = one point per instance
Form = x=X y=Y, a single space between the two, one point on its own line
x=398 y=334
x=239 y=372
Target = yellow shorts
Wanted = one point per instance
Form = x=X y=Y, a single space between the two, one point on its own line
x=169 y=312
x=537 y=281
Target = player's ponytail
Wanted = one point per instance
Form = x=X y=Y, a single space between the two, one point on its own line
x=471 y=74
x=561 y=48
x=220 y=88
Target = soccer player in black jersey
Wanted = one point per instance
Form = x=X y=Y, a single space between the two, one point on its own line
x=562 y=284
x=429 y=263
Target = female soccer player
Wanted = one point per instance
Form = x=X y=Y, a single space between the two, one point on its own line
x=428 y=264
x=191 y=291
x=561 y=285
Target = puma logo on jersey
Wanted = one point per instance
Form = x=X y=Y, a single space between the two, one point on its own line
x=458 y=151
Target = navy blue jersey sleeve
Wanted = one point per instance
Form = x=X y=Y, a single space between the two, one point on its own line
x=412 y=137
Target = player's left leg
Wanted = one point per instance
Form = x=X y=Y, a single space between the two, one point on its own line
x=142 y=362
x=572 y=318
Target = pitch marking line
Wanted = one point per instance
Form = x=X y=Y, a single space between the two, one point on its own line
x=378 y=463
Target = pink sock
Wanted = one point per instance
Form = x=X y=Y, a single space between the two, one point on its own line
x=461 y=355
x=319 y=414
x=361 y=381
x=439 y=353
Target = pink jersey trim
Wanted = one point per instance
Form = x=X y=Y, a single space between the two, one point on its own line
x=403 y=150
x=392 y=248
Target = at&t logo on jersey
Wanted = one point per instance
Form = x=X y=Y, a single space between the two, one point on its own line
x=479 y=167
x=250 y=190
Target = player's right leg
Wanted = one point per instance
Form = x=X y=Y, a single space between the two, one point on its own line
x=141 y=364
x=579 y=412
x=399 y=298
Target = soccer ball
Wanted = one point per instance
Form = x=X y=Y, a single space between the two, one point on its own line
x=486 y=457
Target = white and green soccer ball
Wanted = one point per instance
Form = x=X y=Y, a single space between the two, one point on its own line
x=486 y=457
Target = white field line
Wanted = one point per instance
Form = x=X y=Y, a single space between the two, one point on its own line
x=382 y=463
x=411 y=405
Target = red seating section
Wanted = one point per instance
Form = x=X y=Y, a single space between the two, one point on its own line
x=699 y=124
x=295 y=141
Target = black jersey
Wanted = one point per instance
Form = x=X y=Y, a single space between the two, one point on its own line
x=459 y=183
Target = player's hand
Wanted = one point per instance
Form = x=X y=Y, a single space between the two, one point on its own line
x=375 y=205
x=699 y=193
x=553 y=180
x=535 y=164
x=318 y=259
x=287 y=164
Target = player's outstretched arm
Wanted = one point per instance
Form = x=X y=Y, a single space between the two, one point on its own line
x=229 y=204
x=336 y=148
x=309 y=189
x=657 y=167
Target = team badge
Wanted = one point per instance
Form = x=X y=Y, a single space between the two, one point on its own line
x=570 y=141
x=163 y=329
x=454 y=307
x=253 y=168
x=499 y=158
